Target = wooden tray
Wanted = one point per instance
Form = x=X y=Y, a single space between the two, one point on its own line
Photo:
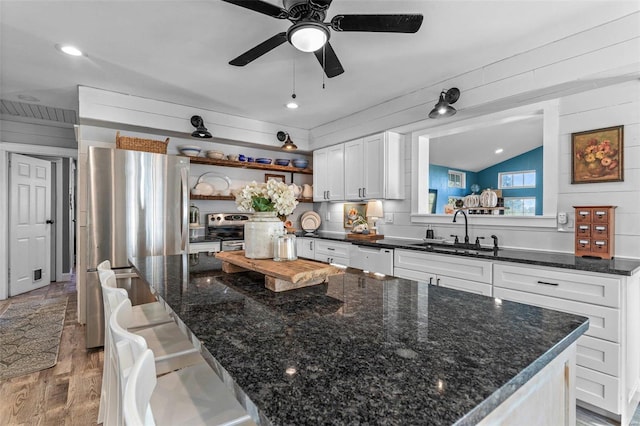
x=279 y=276
x=352 y=236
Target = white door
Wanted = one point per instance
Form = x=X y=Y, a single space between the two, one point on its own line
x=29 y=230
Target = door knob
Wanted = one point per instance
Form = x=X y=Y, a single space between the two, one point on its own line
x=49 y=221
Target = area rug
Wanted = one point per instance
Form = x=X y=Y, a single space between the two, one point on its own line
x=30 y=336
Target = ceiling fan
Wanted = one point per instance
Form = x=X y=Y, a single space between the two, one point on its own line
x=310 y=34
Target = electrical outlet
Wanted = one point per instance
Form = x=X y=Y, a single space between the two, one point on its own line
x=327 y=217
x=564 y=222
x=388 y=218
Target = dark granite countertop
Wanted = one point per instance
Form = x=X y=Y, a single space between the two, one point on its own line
x=616 y=266
x=359 y=349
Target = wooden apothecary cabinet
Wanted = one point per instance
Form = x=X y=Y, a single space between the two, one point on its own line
x=595 y=231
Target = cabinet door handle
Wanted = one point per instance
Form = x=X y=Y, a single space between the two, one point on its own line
x=364 y=192
x=310 y=245
x=437 y=281
x=330 y=249
x=430 y=280
x=548 y=283
x=359 y=192
x=328 y=195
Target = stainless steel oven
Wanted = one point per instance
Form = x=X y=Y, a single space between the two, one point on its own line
x=228 y=228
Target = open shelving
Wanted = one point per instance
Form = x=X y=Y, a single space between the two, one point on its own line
x=233 y=198
x=248 y=165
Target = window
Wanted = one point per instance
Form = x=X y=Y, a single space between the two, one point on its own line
x=457 y=179
x=514 y=180
x=520 y=206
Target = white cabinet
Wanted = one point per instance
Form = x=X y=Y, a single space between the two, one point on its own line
x=332 y=252
x=608 y=355
x=328 y=173
x=305 y=247
x=456 y=272
x=373 y=167
x=372 y=259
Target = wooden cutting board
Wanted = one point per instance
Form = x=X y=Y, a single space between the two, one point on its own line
x=279 y=276
x=369 y=237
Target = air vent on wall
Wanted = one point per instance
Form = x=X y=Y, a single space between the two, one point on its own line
x=40 y=112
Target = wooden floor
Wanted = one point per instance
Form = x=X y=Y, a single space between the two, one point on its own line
x=69 y=393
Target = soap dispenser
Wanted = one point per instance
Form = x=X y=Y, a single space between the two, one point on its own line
x=430 y=234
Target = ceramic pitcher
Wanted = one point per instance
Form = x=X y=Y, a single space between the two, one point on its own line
x=307 y=191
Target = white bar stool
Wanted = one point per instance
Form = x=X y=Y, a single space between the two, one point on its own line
x=191 y=396
x=145 y=315
x=173 y=347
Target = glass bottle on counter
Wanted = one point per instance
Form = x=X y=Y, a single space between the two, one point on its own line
x=284 y=247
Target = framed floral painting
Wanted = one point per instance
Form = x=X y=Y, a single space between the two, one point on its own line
x=354 y=212
x=596 y=155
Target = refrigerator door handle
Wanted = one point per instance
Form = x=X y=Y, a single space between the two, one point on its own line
x=184 y=174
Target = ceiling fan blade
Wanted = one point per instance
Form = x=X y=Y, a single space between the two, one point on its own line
x=378 y=23
x=264 y=47
x=261 y=7
x=329 y=60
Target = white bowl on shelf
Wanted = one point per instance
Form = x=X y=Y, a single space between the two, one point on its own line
x=216 y=155
x=190 y=150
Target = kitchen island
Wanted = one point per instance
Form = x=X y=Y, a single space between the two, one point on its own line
x=367 y=350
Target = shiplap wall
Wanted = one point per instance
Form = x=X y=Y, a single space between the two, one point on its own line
x=603 y=107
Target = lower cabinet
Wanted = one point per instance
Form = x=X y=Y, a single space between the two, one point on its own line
x=372 y=259
x=332 y=252
x=457 y=272
x=608 y=355
x=305 y=247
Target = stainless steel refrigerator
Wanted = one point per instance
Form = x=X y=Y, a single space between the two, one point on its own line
x=137 y=206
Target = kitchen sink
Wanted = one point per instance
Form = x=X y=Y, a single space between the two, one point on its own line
x=454 y=248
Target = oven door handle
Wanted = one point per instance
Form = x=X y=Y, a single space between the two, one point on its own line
x=236 y=244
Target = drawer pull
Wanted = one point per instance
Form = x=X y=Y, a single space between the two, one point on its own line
x=548 y=283
x=330 y=248
x=600 y=228
x=584 y=241
x=601 y=213
x=584 y=213
x=584 y=227
x=601 y=243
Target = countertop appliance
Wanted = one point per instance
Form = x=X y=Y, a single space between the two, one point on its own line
x=224 y=232
x=137 y=206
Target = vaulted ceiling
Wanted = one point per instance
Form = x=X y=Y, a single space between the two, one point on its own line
x=178 y=51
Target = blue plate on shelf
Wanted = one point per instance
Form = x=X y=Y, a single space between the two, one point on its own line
x=263 y=160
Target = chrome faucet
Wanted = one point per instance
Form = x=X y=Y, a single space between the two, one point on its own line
x=466 y=225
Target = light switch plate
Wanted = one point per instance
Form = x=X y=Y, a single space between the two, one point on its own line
x=388 y=218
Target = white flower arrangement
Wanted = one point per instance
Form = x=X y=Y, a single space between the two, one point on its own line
x=273 y=196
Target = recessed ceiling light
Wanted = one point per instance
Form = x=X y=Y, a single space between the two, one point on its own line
x=69 y=49
x=292 y=105
x=28 y=98
x=499 y=151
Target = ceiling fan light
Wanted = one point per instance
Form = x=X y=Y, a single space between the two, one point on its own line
x=308 y=36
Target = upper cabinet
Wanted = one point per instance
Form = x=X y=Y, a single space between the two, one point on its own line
x=328 y=175
x=373 y=167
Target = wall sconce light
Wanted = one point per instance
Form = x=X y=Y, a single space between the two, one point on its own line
x=443 y=108
x=288 y=143
x=201 y=131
